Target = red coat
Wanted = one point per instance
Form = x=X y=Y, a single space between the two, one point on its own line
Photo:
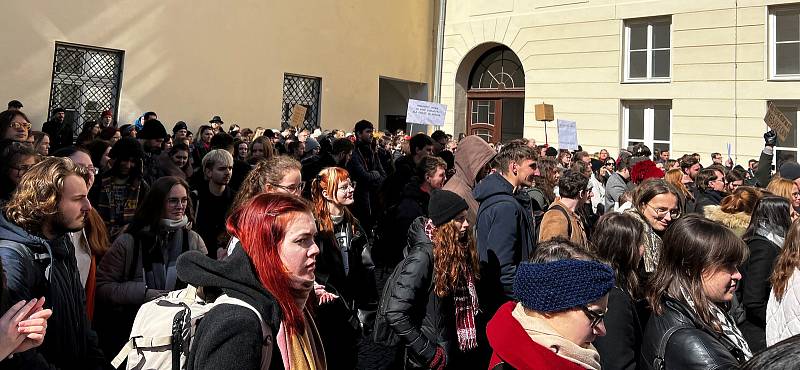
x=512 y=345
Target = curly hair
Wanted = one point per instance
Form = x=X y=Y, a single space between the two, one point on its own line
x=264 y=173
x=39 y=192
x=454 y=258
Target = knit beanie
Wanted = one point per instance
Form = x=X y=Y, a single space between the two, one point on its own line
x=152 y=129
x=444 y=206
x=561 y=285
x=126 y=148
x=180 y=125
x=789 y=170
x=311 y=144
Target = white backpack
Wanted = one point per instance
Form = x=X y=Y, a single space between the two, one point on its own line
x=164 y=328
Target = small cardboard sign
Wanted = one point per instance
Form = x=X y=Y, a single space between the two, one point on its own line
x=777 y=121
x=425 y=112
x=259 y=133
x=298 y=115
x=567 y=135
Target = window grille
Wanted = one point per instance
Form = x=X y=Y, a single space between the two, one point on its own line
x=86 y=81
x=305 y=91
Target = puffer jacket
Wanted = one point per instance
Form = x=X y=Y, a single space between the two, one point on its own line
x=737 y=222
x=47 y=268
x=695 y=347
x=472 y=155
x=783 y=317
x=421 y=320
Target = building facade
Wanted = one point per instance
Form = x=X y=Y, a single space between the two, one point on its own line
x=680 y=75
x=249 y=62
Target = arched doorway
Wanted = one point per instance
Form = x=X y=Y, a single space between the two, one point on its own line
x=496 y=96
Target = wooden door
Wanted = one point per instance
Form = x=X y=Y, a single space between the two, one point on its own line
x=484 y=118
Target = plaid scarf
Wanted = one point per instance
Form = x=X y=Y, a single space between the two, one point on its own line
x=111 y=203
x=729 y=329
x=465 y=300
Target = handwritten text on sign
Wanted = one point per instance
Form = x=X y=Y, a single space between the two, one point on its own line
x=426 y=113
x=567 y=135
x=777 y=121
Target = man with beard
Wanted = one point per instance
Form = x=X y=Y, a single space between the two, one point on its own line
x=39 y=261
x=59 y=131
x=365 y=169
x=212 y=201
x=151 y=137
x=122 y=188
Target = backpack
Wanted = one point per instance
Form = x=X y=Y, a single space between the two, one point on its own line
x=162 y=333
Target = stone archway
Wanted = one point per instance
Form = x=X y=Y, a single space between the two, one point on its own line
x=490 y=94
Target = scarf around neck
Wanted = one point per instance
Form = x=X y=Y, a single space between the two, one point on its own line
x=729 y=329
x=770 y=234
x=545 y=335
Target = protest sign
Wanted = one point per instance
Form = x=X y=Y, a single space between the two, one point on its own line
x=567 y=135
x=777 y=121
x=426 y=113
x=298 y=115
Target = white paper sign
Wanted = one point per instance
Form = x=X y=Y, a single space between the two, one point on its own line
x=425 y=112
x=567 y=135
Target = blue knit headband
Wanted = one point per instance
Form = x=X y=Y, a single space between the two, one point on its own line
x=560 y=285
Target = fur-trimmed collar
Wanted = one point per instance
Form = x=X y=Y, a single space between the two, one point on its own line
x=734 y=221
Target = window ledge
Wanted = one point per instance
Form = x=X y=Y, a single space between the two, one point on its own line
x=648 y=81
x=789 y=78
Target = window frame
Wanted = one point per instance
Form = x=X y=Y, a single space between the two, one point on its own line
x=649 y=123
x=772 y=42
x=796 y=149
x=627 y=50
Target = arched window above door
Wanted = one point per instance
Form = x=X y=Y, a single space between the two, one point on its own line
x=498 y=69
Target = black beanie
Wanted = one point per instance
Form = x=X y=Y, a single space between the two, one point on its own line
x=152 y=129
x=444 y=206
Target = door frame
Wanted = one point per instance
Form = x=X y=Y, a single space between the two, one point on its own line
x=498 y=96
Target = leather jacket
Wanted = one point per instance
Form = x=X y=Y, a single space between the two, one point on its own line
x=695 y=346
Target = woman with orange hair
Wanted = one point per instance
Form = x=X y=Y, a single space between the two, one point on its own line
x=273 y=272
x=344 y=268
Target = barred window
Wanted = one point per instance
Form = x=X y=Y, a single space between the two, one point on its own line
x=86 y=81
x=305 y=91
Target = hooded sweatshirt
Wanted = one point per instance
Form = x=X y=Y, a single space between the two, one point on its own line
x=230 y=337
x=472 y=155
x=70 y=342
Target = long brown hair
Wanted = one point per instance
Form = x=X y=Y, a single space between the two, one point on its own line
x=328 y=180
x=616 y=240
x=454 y=258
x=693 y=245
x=788 y=260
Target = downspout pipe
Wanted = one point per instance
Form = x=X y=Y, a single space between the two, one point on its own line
x=437 y=74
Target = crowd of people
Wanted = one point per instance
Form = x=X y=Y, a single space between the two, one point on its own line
x=447 y=253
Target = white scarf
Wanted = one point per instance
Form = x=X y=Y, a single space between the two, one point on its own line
x=729 y=329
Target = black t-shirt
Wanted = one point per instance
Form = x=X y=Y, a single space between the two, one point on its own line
x=210 y=213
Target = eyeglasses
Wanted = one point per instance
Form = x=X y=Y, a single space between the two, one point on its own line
x=595 y=317
x=294 y=189
x=175 y=202
x=351 y=185
x=661 y=212
x=19 y=125
x=92 y=169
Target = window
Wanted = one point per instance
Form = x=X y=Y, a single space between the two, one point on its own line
x=648 y=122
x=787 y=149
x=499 y=68
x=302 y=90
x=86 y=81
x=647 y=50
x=784 y=45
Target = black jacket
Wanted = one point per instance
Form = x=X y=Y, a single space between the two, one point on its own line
x=70 y=342
x=413 y=204
x=695 y=347
x=703 y=198
x=620 y=348
x=365 y=168
x=60 y=134
x=505 y=238
x=754 y=289
x=420 y=319
x=394 y=186
x=338 y=321
x=229 y=336
x=311 y=169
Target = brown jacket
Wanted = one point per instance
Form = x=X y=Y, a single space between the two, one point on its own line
x=472 y=155
x=554 y=224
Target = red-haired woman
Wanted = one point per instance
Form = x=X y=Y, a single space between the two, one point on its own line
x=431 y=306
x=344 y=268
x=274 y=273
